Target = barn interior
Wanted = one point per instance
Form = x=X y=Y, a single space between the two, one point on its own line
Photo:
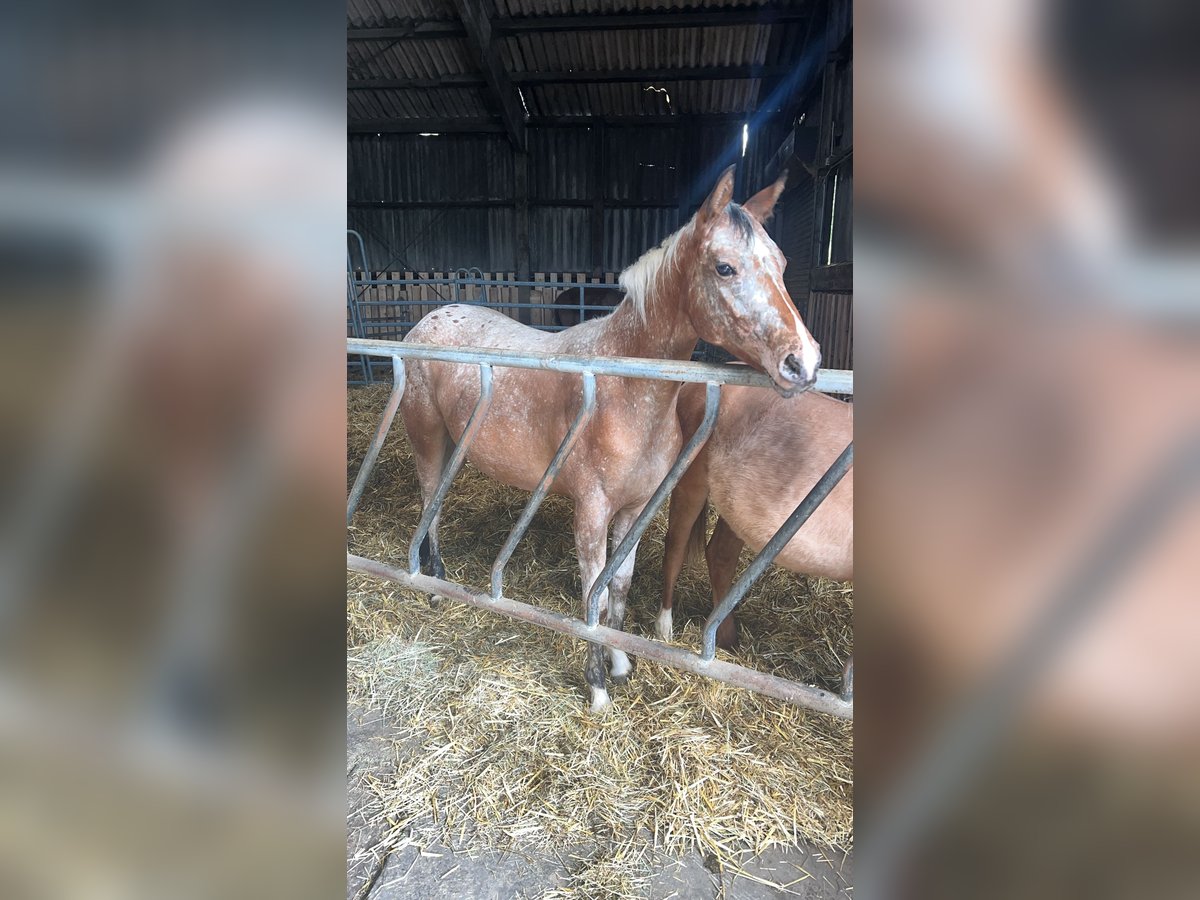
x=493 y=144
x=503 y=153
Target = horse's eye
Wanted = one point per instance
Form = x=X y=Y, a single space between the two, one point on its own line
x=724 y=270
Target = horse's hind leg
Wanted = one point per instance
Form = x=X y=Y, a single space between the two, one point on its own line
x=431 y=445
x=591 y=540
x=618 y=592
x=685 y=517
x=722 y=554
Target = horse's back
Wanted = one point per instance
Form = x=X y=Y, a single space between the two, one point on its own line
x=458 y=325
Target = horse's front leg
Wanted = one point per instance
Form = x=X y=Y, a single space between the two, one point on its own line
x=591 y=545
x=618 y=591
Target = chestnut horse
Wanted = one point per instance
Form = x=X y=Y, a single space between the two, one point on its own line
x=720 y=277
x=763 y=457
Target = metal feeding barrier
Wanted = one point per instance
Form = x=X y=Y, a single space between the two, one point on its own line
x=589 y=629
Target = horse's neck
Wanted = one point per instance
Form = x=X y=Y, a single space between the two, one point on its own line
x=661 y=331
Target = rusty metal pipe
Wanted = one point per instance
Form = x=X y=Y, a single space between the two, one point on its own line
x=809 y=697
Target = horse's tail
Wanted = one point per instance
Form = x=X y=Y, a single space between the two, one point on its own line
x=698 y=538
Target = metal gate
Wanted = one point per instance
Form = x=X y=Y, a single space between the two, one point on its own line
x=590 y=629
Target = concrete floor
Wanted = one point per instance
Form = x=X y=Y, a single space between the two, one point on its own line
x=473 y=873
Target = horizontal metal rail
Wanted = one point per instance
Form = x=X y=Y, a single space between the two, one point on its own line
x=450 y=281
x=730 y=673
x=833 y=381
x=590 y=629
x=492 y=304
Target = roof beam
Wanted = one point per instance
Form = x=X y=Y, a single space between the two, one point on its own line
x=494 y=126
x=413 y=31
x=700 y=18
x=426 y=126
x=507 y=27
x=469 y=79
x=479 y=38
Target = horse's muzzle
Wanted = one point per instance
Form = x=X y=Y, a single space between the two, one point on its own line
x=794 y=372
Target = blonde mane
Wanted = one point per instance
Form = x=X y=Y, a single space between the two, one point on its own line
x=641 y=277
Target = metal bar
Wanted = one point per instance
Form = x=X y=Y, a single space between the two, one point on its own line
x=513 y=25
x=739 y=676
x=831 y=380
x=673 y=19
x=356 y=321
x=786 y=532
x=586 y=409
x=712 y=402
x=487 y=125
x=496 y=203
x=577 y=76
x=362 y=249
x=492 y=282
x=385 y=424
x=456 y=460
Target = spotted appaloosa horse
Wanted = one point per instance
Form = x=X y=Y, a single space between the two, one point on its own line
x=764 y=455
x=720 y=278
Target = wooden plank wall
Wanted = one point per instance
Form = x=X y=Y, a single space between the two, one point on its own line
x=831 y=322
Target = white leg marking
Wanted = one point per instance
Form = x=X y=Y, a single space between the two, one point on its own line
x=664 y=625
x=600 y=700
x=620 y=663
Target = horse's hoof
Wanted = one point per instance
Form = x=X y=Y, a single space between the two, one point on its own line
x=435 y=600
x=664 y=625
x=620 y=680
x=600 y=701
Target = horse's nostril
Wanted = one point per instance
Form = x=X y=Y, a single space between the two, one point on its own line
x=792 y=367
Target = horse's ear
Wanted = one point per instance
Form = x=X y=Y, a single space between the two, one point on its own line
x=719 y=198
x=762 y=205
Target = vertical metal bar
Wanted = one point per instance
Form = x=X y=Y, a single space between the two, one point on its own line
x=457 y=458
x=712 y=402
x=586 y=409
x=356 y=319
x=362 y=249
x=582 y=304
x=786 y=532
x=385 y=424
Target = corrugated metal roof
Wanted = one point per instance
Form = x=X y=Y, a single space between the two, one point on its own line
x=408 y=59
x=580 y=7
x=654 y=98
x=613 y=51
x=376 y=13
x=437 y=103
x=566 y=51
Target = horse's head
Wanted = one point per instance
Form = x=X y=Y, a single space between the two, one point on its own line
x=735 y=288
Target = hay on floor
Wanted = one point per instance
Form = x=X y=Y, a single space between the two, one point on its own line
x=489 y=714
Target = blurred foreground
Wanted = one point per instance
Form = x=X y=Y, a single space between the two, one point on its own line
x=171 y=399
x=1029 y=292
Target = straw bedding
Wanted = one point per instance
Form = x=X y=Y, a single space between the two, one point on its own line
x=495 y=746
